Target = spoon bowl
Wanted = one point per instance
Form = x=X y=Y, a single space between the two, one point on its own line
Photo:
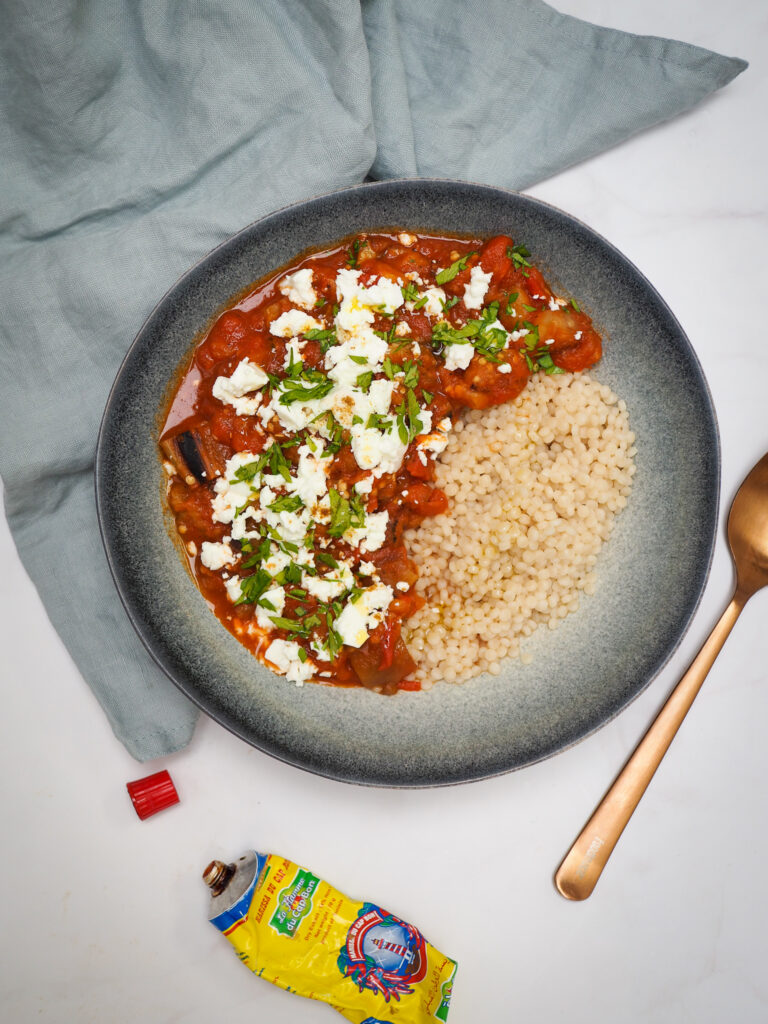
x=748 y=530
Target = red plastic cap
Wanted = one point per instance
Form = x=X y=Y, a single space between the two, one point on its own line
x=152 y=794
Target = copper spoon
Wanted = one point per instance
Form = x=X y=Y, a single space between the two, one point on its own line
x=748 y=538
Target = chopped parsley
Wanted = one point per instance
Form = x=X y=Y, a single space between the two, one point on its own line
x=309 y=386
x=444 y=276
x=325 y=335
x=345 y=513
x=537 y=356
x=487 y=339
x=252 y=587
x=519 y=255
x=407 y=418
x=354 y=252
x=410 y=292
x=378 y=422
x=286 y=503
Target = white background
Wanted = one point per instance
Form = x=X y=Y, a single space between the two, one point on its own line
x=104 y=916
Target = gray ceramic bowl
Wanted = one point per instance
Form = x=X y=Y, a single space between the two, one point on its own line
x=651 y=574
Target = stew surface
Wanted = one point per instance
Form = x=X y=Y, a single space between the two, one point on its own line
x=301 y=440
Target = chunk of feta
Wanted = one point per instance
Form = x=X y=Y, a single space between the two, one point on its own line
x=333 y=584
x=284 y=655
x=234 y=390
x=475 y=290
x=297 y=288
x=362 y=616
x=458 y=357
x=215 y=556
x=276 y=597
x=234 y=591
x=293 y=323
x=371 y=535
x=435 y=299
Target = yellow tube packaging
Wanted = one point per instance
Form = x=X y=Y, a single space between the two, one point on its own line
x=297 y=931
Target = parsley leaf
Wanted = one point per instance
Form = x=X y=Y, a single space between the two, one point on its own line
x=309 y=386
x=286 y=503
x=252 y=587
x=444 y=276
x=341 y=514
x=354 y=252
x=519 y=255
x=326 y=337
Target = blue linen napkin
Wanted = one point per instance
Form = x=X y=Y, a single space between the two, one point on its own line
x=135 y=137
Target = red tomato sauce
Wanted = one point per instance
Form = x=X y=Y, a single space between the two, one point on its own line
x=362 y=352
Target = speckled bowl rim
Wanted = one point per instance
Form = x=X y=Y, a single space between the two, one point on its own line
x=189 y=688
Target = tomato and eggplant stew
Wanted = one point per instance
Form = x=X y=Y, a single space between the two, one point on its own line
x=301 y=440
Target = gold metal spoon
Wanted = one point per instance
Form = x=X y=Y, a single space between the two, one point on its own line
x=748 y=538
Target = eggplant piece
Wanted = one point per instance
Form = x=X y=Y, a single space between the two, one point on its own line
x=366 y=662
x=195 y=454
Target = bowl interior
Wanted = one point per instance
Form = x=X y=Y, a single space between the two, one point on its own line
x=651 y=574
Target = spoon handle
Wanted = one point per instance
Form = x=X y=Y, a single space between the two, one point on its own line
x=578 y=874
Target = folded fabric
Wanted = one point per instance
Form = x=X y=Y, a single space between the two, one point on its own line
x=135 y=137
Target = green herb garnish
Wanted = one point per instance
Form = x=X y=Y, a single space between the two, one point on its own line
x=519 y=255
x=354 y=252
x=444 y=276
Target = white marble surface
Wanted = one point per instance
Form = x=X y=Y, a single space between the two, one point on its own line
x=104 y=916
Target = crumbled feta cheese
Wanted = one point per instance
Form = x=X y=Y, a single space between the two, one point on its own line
x=377 y=450
x=364 y=486
x=458 y=357
x=363 y=615
x=276 y=562
x=432 y=443
x=294 y=322
x=293 y=353
x=402 y=329
x=215 y=556
x=232 y=390
x=504 y=368
x=367 y=569
x=577 y=335
x=371 y=535
x=402 y=585
x=284 y=655
x=333 y=584
x=405 y=239
x=297 y=288
x=434 y=304
x=358 y=304
x=234 y=592
x=276 y=597
x=231 y=494
x=474 y=292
